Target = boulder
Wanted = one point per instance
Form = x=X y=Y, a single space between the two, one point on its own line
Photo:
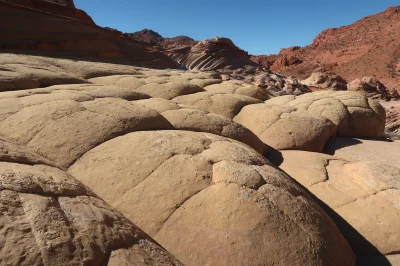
x=195 y=191
x=284 y=127
x=327 y=81
x=354 y=114
x=372 y=88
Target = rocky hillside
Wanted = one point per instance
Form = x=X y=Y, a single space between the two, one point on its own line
x=369 y=47
x=155 y=39
x=60 y=7
x=36 y=28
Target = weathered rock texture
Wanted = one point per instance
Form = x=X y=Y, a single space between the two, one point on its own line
x=210 y=55
x=161 y=146
x=49 y=218
x=194 y=189
x=326 y=81
x=373 y=88
x=362 y=192
x=368 y=47
x=354 y=114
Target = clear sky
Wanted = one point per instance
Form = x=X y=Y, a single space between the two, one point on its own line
x=257 y=26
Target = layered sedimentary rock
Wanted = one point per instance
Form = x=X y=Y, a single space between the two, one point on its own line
x=30 y=29
x=210 y=54
x=58 y=7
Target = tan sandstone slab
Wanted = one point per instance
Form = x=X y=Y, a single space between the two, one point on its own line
x=363 y=197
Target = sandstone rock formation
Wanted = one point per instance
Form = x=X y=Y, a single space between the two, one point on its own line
x=368 y=47
x=59 y=7
x=224 y=57
x=69 y=37
x=285 y=127
x=210 y=54
x=276 y=84
x=223 y=193
x=326 y=81
x=354 y=114
x=50 y=218
x=361 y=189
x=392 y=118
x=373 y=88
x=155 y=39
x=162 y=143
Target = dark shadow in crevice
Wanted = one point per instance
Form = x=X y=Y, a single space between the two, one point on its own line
x=367 y=254
x=274 y=156
x=332 y=145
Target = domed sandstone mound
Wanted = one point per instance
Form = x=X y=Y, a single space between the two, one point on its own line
x=363 y=197
x=198 y=191
x=285 y=127
x=64 y=130
x=238 y=87
x=354 y=114
x=50 y=218
x=227 y=105
x=161 y=84
x=63 y=122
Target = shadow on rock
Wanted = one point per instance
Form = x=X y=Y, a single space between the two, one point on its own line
x=332 y=145
x=275 y=157
x=367 y=254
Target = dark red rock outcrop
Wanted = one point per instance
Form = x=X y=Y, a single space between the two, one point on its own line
x=60 y=7
x=155 y=39
x=369 y=47
x=25 y=28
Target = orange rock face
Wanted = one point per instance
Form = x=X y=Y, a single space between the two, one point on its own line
x=369 y=47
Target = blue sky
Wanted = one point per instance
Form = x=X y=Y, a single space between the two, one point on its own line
x=257 y=26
